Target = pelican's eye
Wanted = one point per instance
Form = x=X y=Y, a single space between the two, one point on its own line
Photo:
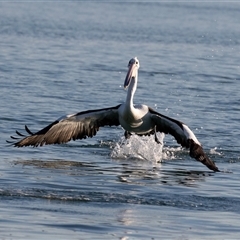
x=136 y=62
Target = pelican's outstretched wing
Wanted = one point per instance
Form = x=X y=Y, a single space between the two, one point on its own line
x=71 y=127
x=183 y=135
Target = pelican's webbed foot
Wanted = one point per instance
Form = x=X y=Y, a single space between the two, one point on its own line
x=127 y=134
x=155 y=135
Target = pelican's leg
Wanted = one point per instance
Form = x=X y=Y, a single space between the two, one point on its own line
x=127 y=134
x=155 y=135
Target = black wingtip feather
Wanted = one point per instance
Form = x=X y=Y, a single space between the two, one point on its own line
x=15 y=138
x=27 y=130
x=20 y=134
x=196 y=151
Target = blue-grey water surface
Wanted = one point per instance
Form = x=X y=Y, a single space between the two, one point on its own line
x=58 y=58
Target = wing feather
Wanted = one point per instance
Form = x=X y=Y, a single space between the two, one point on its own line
x=170 y=126
x=77 y=126
x=183 y=136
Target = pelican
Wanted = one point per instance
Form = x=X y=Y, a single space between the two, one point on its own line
x=134 y=119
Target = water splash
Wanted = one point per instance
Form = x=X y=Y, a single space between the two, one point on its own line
x=214 y=151
x=173 y=153
x=143 y=148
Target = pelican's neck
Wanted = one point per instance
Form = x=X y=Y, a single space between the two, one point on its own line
x=131 y=90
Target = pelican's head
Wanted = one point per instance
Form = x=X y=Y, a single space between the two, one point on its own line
x=133 y=67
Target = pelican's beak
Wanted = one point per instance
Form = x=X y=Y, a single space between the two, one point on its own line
x=130 y=74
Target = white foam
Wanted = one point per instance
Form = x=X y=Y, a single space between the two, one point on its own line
x=214 y=151
x=136 y=147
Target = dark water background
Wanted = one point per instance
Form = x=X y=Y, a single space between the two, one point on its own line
x=58 y=58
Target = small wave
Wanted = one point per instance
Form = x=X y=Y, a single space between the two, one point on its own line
x=43 y=194
x=177 y=199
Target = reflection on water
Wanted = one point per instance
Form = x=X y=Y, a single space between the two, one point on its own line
x=129 y=173
x=56 y=164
